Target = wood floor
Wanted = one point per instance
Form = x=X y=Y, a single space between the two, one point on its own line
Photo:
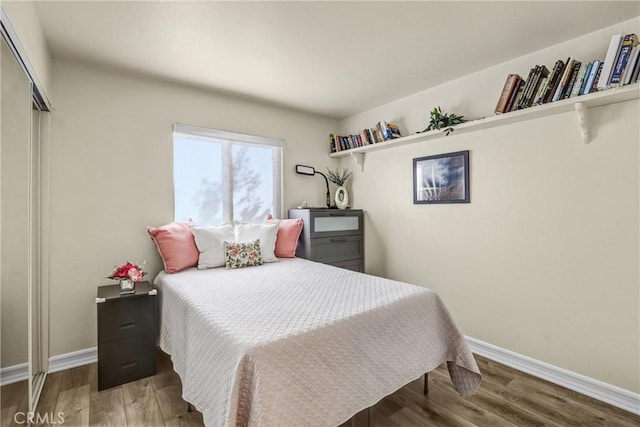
x=506 y=398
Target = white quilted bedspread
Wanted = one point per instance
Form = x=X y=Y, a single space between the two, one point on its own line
x=298 y=343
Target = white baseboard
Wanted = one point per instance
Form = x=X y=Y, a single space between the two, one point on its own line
x=73 y=359
x=608 y=393
x=13 y=374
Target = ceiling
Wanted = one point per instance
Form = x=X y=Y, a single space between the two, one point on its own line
x=330 y=58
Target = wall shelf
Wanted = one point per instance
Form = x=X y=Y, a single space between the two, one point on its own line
x=579 y=104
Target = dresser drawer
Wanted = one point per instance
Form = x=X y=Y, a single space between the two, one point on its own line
x=352 y=264
x=126 y=360
x=332 y=249
x=335 y=223
x=126 y=317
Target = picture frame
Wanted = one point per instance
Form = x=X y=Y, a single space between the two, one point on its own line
x=442 y=178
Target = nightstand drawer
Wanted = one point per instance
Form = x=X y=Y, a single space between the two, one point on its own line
x=126 y=360
x=331 y=249
x=127 y=317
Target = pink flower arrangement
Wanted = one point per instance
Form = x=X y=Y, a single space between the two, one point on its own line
x=128 y=271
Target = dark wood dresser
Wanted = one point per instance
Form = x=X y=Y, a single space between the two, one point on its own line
x=332 y=236
x=126 y=334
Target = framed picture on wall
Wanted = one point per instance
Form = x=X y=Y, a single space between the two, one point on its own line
x=443 y=178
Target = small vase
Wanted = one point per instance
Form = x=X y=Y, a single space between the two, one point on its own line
x=342 y=198
x=127 y=286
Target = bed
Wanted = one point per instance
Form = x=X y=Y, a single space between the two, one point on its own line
x=299 y=343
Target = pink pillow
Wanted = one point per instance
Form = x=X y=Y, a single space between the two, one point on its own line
x=176 y=245
x=287 y=236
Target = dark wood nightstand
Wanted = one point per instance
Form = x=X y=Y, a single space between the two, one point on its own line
x=126 y=334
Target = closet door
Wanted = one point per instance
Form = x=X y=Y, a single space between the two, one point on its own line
x=15 y=209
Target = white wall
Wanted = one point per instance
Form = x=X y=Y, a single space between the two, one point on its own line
x=544 y=260
x=111 y=176
x=23 y=19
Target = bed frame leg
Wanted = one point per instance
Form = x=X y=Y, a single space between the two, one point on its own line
x=426 y=384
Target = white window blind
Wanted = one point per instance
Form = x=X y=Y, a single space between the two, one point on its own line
x=221 y=176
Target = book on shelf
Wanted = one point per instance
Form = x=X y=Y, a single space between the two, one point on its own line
x=571 y=81
x=525 y=90
x=541 y=73
x=628 y=43
x=609 y=61
x=627 y=75
x=579 y=81
x=365 y=137
x=594 y=87
x=507 y=92
x=531 y=82
x=372 y=136
x=537 y=100
x=562 y=84
x=636 y=68
x=385 y=132
x=395 y=130
x=516 y=95
x=554 y=81
x=587 y=73
x=592 y=77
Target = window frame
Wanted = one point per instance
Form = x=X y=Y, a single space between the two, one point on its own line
x=228 y=140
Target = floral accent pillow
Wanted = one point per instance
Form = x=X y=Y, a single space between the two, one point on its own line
x=242 y=254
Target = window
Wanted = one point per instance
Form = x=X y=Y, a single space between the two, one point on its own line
x=222 y=176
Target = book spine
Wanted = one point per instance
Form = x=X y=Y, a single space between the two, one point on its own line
x=372 y=135
x=631 y=64
x=505 y=95
x=537 y=100
x=332 y=143
x=558 y=69
x=575 y=91
x=595 y=86
x=535 y=81
x=592 y=77
x=543 y=76
x=563 y=81
x=587 y=73
x=354 y=141
x=609 y=61
x=513 y=105
x=527 y=84
x=636 y=69
x=395 y=130
x=566 y=92
x=628 y=43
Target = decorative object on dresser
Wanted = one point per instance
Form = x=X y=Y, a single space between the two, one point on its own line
x=443 y=178
x=332 y=237
x=126 y=334
x=339 y=179
x=127 y=275
x=311 y=171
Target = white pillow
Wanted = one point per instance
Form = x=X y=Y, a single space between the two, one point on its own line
x=209 y=241
x=267 y=233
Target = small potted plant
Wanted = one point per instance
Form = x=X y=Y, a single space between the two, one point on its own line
x=445 y=121
x=127 y=275
x=339 y=179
